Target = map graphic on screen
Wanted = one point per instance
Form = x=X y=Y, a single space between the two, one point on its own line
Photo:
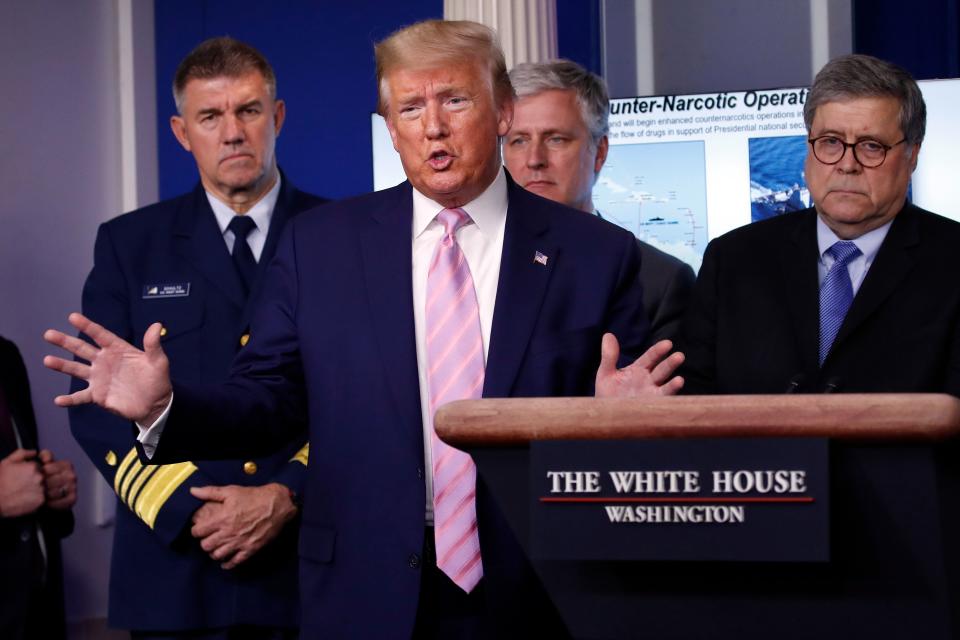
x=657 y=191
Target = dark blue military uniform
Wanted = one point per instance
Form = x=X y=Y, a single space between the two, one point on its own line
x=168 y=263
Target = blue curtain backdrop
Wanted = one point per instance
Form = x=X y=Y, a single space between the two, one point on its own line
x=922 y=36
x=322 y=53
x=579 y=33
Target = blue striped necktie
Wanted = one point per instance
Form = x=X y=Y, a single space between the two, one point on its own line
x=836 y=294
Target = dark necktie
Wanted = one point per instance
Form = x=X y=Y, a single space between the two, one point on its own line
x=243 y=258
x=836 y=294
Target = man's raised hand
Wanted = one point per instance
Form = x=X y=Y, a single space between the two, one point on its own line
x=122 y=379
x=649 y=375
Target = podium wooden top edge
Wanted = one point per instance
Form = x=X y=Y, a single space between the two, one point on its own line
x=876 y=416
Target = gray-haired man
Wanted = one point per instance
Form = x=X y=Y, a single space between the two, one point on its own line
x=556 y=148
x=856 y=294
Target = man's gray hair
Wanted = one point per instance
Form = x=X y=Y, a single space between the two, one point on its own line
x=861 y=76
x=531 y=78
x=221 y=57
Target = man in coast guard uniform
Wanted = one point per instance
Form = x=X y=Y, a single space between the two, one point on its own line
x=201 y=549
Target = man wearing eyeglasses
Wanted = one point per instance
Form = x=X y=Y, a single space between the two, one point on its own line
x=858 y=293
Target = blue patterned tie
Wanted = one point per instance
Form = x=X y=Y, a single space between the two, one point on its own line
x=836 y=294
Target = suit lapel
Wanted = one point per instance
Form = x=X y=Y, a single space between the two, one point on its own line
x=199 y=241
x=892 y=264
x=801 y=288
x=520 y=289
x=282 y=212
x=387 y=256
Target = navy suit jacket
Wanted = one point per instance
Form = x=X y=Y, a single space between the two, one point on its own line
x=333 y=348
x=160 y=577
x=667 y=283
x=753 y=326
x=667 y=286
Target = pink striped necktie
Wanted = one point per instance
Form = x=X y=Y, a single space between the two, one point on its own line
x=455 y=361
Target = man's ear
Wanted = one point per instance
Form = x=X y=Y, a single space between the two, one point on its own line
x=504 y=116
x=602 y=147
x=392 y=129
x=279 y=114
x=179 y=128
x=914 y=156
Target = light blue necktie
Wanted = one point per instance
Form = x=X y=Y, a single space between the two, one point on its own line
x=836 y=294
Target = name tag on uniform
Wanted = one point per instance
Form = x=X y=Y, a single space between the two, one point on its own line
x=175 y=290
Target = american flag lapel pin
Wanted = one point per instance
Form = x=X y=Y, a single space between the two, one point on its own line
x=539 y=258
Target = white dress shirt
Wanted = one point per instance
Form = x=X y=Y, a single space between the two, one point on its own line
x=261 y=214
x=869 y=244
x=482 y=246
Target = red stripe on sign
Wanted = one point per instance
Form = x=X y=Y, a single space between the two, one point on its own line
x=784 y=500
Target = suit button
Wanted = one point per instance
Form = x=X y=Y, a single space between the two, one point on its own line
x=414 y=561
x=111 y=458
x=25 y=535
x=249 y=467
x=420 y=473
x=244 y=339
x=163 y=331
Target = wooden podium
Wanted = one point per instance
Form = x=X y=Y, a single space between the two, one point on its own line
x=894 y=516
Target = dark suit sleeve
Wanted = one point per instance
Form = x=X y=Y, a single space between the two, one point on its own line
x=55 y=522
x=669 y=313
x=627 y=318
x=266 y=385
x=157 y=495
x=699 y=335
x=952 y=383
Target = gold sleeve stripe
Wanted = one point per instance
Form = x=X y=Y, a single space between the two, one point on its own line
x=122 y=469
x=159 y=488
x=134 y=476
x=128 y=460
x=302 y=456
x=130 y=498
x=154 y=485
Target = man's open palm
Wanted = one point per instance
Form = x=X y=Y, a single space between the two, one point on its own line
x=122 y=379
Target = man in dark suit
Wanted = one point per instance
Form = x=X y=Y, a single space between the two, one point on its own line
x=858 y=293
x=202 y=549
x=557 y=146
x=36 y=495
x=378 y=309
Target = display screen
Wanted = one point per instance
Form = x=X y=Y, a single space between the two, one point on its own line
x=683 y=170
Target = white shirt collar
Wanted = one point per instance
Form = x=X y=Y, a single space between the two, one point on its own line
x=488 y=210
x=260 y=213
x=869 y=243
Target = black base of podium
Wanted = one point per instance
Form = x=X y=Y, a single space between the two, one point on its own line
x=894 y=570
